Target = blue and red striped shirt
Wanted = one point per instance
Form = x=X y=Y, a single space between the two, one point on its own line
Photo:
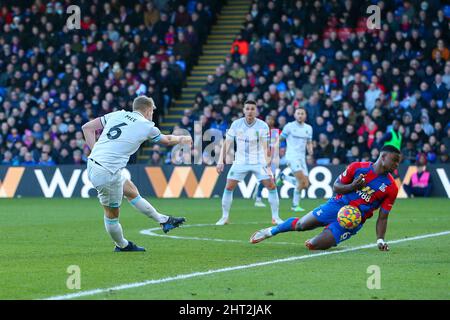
x=380 y=190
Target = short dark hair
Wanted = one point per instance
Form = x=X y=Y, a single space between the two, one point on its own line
x=390 y=149
x=301 y=108
x=250 y=102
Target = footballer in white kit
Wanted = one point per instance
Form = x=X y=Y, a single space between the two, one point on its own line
x=251 y=137
x=123 y=133
x=298 y=136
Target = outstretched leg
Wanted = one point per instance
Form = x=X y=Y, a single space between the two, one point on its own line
x=308 y=222
x=322 y=241
x=167 y=223
x=331 y=236
x=131 y=192
x=324 y=215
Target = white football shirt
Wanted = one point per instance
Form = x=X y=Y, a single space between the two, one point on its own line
x=249 y=140
x=297 y=136
x=123 y=133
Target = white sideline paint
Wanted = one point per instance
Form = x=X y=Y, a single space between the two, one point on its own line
x=151 y=232
x=241 y=267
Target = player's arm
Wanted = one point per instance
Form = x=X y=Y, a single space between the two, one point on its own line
x=309 y=144
x=346 y=183
x=381 y=228
x=223 y=153
x=356 y=184
x=171 y=140
x=89 y=130
x=268 y=155
x=266 y=149
x=274 y=144
x=284 y=134
x=229 y=139
x=383 y=215
x=310 y=147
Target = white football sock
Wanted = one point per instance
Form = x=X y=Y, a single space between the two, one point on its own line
x=146 y=208
x=227 y=199
x=274 y=202
x=114 y=229
x=296 y=198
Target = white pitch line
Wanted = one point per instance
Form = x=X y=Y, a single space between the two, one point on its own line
x=151 y=232
x=228 y=269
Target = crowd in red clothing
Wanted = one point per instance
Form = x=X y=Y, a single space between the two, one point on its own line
x=53 y=80
x=354 y=82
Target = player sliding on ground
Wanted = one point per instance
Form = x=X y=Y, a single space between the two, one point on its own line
x=123 y=133
x=252 y=156
x=364 y=185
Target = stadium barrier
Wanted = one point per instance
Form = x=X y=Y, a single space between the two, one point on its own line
x=195 y=181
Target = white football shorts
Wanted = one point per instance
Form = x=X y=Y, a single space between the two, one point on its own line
x=298 y=165
x=108 y=185
x=239 y=171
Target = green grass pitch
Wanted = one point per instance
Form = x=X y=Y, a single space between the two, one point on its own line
x=41 y=238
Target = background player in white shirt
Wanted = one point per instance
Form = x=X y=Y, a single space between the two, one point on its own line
x=123 y=133
x=252 y=156
x=298 y=135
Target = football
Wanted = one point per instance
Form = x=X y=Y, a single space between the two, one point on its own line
x=349 y=217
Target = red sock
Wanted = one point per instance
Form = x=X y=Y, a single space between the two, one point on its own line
x=294 y=223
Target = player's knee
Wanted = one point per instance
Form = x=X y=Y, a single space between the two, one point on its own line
x=305 y=183
x=299 y=226
x=130 y=191
x=317 y=245
x=309 y=245
x=229 y=188
x=133 y=198
x=271 y=186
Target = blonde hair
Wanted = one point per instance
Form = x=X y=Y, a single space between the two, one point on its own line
x=142 y=103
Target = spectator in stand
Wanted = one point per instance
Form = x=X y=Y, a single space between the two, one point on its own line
x=338 y=152
x=53 y=80
x=7 y=159
x=420 y=182
x=288 y=54
x=323 y=151
x=28 y=160
x=409 y=153
x=46 y=160
x=442 y=50
x=239 y=46
x=353 y=155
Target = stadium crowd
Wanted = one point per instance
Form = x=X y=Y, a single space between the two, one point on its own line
x=354 y=82
x=53 y=80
